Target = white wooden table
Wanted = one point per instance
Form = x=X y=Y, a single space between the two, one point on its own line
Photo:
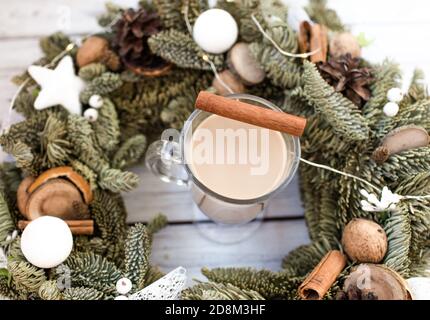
x=398 y=28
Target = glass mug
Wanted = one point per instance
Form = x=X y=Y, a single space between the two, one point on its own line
x=166 y=158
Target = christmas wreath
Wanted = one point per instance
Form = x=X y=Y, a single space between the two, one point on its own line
x=90 y=110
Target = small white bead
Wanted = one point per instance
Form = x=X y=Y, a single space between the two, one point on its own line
x=123 y=286
x=95 y=101
x=121 y=298
x=395 y=95
x=91 y=114
x=391 y=109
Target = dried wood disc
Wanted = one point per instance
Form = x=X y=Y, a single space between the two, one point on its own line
x=230 y=80
x=68 y=173
x=379 y=281
x=244 y=65
x=59 y=198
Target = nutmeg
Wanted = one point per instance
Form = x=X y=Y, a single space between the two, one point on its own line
x=343 y=43
x=364 y=241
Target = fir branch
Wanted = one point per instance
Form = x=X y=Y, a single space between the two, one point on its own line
x=344 y=116
x=179 y=48
x=106 y=128
x=116 y=180
x=22 y=152
x=170 y=13
x=218 y=291
x=269 y=284
x=86 y=172
x=82 y=293
x=157 y=223
x=93 y=271
x=24 y=104
x=318 y=12
x=177 y=111
x=7 y=224
x=242 y=11
x=55 y=148
x=137 y=253
x=112 y=12
x=83 y=139
x=418 y=89
x=387 y=76
x=398 y=230
x=303 y=259
x=194 y=8
x=54 y=44
x=130 y=152
x=92 y=70
x=25 y=276
x=49 y=290
x=109 y=214
x=102 y=85
x=283 y=71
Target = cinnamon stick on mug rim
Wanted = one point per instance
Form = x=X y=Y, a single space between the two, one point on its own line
x=251 y=114
x=77 y=227
x=319 y=281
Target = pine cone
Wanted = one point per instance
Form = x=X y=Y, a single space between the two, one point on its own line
x=131 y=42
x=346 y=76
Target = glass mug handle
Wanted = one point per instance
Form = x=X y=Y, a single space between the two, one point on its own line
x=164 y=158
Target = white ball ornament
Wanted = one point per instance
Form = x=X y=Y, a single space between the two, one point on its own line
x=46 y=242
x=391 y=109
x=215 y=31
x=395 y=95
x=95 y=101
x=91 y=114
x=123 y=286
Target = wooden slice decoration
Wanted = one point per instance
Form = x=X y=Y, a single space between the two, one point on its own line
x=230 y=80
x=56 y=197
x=243 y=64
x=22 y=194
x=70 y=174
x=401 y=139
x=379 y=281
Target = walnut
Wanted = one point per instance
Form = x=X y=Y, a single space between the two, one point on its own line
x=364 y=241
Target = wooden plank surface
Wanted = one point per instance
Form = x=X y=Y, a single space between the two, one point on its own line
x=398 y=29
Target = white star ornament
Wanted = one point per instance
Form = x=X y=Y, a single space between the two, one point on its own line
x=59 y=86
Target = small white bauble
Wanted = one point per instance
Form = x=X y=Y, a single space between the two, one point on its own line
x=121 y=298
x=215 y=31
x=419 y=288
x=395 y=95
x=95 y=101
x=123 y=286
x=391 y=109
x=46 y=242
x=91 y=114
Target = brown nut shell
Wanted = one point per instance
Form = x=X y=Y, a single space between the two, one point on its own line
x=364 y=241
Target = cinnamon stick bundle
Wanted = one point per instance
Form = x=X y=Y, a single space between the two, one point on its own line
x=248 y=113
x=319 y=281
x=78 y=227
